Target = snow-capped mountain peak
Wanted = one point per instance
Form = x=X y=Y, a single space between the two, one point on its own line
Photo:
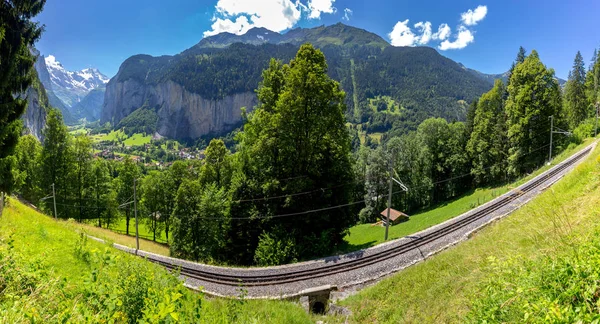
x=72 y=86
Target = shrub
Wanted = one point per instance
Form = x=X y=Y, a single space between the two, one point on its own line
x=563 y=289
x=272 y=250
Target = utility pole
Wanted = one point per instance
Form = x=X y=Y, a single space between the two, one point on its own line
x=551 y=131
x=558 y=131
x=137 y=237
x=389 y=203
x=596 y=125
x=54 y=198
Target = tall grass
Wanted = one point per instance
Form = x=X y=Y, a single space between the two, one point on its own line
x=448 y=287
x=51 y=273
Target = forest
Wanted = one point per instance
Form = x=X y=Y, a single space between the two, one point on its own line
x=298 y=178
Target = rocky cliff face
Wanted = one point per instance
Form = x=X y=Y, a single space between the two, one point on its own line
x=182 y=114
x=34 y=118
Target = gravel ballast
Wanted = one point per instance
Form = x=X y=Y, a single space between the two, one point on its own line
x=367 y=274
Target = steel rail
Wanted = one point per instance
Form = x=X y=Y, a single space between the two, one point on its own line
x=353 y=264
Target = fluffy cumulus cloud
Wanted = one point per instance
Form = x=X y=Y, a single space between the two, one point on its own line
x=238 y=16
x=403 y=35
x=316 y=7
x=472 y=17
x=347 y=14
x=464 y=38
x=425 y=30
x=443 y=32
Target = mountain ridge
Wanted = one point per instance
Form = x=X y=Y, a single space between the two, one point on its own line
x=338 y=34
x=205 y=86
x=68 y=90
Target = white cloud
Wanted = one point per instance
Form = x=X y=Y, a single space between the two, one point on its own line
x=239 y=26
x=472 y=17
x=402 y=35
x=317 y=7
x=443 y=32
x=238 y=16
x=347 y=14
x=425 y=29
x=464 y=38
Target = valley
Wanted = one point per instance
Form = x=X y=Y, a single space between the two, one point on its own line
x=233 y=153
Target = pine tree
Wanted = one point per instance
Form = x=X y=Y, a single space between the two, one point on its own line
x=591 y=83
x=471 y=117
x=533 y=96
x=17 y=33
x=576 y=103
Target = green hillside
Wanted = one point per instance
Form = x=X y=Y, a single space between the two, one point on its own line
x=47 y=268
x=537 y=265
x=418 y=79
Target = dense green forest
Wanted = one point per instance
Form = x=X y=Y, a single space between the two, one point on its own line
x=299 y=176
x=420 y=81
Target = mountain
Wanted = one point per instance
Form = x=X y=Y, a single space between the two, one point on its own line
x=490 y=78
x=69 y=86
x=53 y=100
x=69 y=91
x=338 y=34
x=34 y=118
x=199 y=92
x=90 y=107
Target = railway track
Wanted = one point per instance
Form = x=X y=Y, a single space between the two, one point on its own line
x=289 y=275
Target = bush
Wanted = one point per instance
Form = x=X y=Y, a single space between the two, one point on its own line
x=584 y=130
x=274 y=251
x=563 y=289
x=117 y=289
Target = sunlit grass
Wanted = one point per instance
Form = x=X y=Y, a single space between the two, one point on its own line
x=367 y=235
x=439 y=289
x=40 y=238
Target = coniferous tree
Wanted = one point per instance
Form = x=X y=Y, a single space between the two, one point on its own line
x=471 y=117
x=17 y=33
x=576 y=103
x=591 y=84
x=533 y=96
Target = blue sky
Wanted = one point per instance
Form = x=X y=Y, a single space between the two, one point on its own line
x=482 y=35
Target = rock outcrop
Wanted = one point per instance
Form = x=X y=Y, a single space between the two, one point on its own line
x=34 y=118
x=182 y=114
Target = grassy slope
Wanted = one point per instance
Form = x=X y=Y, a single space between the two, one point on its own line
x=136 y=139
x=120 y=226
x=441 y=288
x=39 y=237
x=366 y=235
x=110 y=236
